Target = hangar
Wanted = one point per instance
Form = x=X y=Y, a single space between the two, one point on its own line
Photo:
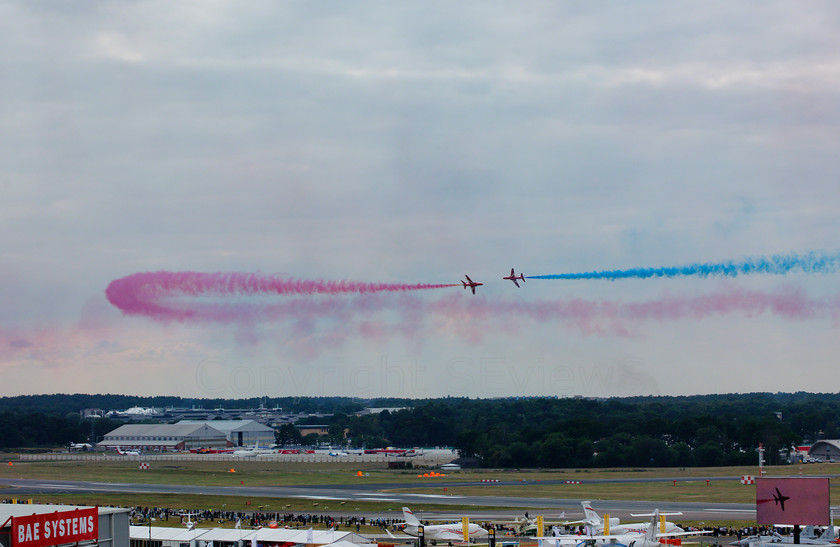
x=240 y=432
x=825 y=450
x=164 y=437
x=27 y=525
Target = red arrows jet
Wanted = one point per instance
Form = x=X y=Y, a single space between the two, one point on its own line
x=470 y=283
x=513 y=277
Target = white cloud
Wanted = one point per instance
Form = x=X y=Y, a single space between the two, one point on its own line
x=411 y=142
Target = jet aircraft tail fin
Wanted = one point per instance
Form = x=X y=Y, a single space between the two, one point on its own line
x=653 y=529
x=591 y=517
x=409 y=517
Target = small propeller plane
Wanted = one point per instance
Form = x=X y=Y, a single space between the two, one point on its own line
x=470 y=283
x=513 y=277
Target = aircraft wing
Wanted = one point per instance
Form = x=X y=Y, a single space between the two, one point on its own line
x=445 y=535
x=672 y=534
x=574 y=537
x=651 y=514
x=392 y=536
x=569 y=539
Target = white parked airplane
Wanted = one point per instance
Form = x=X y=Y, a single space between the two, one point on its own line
x=649 y=537
x=810 y=535
x=440 y=532
x=252 y=452
x=127 y=452
x=80 y=446
x=595 y=525
x=189 y=523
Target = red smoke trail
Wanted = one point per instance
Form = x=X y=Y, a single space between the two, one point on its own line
x=150 y=293
x=376 y=310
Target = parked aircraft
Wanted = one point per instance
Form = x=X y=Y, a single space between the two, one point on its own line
x=127 y=452
x=338 y=454
x=440 y=532
x=189 y=523
x=252 y=452
x=80 y=446
x=470 y=283
x=649 y=537
x=513 y=277
x=594 y=524
x=527 y=526
x=810 y=535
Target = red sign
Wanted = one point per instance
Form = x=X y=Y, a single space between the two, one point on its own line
x=55 y=528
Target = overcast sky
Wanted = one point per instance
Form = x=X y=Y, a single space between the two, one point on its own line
x=415 y=142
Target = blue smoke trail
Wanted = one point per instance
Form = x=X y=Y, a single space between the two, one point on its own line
x=813 y=262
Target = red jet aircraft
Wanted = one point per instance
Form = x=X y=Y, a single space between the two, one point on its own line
x=513 y=277
x=470 y=283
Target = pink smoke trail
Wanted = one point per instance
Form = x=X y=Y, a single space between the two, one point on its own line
x=147 y=293
x=376 y=310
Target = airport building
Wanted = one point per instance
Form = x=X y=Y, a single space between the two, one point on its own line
x=189 y=434
x=825 y=450
x=28 y=525
x=164 y=437
x=240 y=432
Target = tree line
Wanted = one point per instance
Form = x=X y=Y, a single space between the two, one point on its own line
x=711 y=430
x=708 y=430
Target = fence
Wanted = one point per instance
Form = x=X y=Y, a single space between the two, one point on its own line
x=419 y=460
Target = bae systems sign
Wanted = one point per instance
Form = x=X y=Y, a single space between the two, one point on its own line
x=55 y=528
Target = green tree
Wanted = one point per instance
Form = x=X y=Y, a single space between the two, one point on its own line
x=288 y=434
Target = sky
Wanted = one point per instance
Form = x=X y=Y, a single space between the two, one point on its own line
x=203 y=157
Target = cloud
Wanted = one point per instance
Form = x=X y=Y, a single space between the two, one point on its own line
x=411 y=142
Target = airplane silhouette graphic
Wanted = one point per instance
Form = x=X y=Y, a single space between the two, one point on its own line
x=780 y=499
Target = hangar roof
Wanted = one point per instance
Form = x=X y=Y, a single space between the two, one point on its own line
x=163 y=430
x=8 y=510
x=820 y=445
x=228 y=426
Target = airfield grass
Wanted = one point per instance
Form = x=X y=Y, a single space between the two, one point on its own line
x=275 y=473
x=278 y=473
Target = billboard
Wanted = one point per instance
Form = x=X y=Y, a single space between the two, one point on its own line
x=55 y=528
x=792 y=501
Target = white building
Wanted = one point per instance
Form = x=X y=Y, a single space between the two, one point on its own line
x=155 y=536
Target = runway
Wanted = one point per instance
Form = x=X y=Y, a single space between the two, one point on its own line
x=546 y=506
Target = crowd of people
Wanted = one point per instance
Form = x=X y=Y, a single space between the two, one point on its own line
x=258 y=518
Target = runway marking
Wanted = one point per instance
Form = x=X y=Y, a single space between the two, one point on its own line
x=335 y=498
x=438 y=496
